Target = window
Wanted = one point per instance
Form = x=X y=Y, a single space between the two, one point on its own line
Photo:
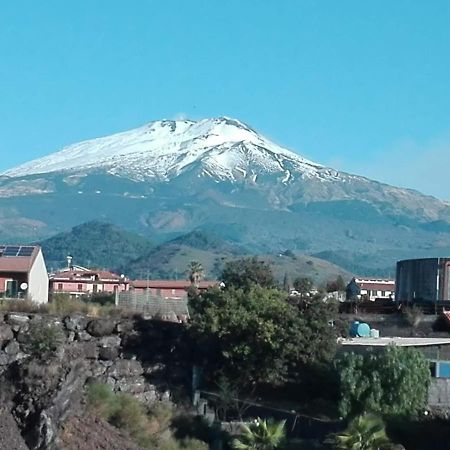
x=383 y=293
x=60 y=286
x=80 y=287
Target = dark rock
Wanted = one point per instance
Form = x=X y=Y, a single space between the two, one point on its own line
x=17 y=319
x=75 y=322
x=77 y=350
x=134 y=385
x=10 y=437
x=6 y=333
x=101 y=327
x=125 y=326
x=4 y=359
x=12 y=348
x=83 y=336
x=125 y=368
x=110 y=341
x=108 y=353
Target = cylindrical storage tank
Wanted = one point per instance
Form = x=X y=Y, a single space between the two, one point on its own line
x=363 y=330
x=354 y=328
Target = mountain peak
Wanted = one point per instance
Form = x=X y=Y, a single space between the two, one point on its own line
x=220 y=148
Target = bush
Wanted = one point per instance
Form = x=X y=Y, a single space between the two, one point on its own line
x=26 y=306
x=393 y=382
x=44 y=339
x=149 y=428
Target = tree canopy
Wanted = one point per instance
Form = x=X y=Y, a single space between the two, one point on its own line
x=256 y=336
x=392 y=382
x=245 y=272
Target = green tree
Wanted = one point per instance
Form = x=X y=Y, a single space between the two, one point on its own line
x=365 y=432
x=303 y=285
x=261 y=435
x=246 y=272
x=195 y=272
x=255 y=336
x=392 y=382
x=337 y=285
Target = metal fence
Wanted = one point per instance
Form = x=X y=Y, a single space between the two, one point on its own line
x=154 y=305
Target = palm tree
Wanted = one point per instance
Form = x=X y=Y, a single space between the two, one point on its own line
x=261 y=435
x=194 y=272
x=365 y=432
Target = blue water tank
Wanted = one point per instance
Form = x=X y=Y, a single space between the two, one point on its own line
x=359 y=329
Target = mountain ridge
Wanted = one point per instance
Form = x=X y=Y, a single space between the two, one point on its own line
x=169 y=178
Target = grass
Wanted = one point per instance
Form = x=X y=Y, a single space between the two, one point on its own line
x=150 y=428
x=63 y=305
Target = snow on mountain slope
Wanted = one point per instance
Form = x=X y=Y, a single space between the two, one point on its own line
x=222 y=148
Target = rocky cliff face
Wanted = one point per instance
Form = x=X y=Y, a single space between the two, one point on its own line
x=43 y=391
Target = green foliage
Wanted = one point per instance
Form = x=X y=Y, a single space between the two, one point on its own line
x=245 y=272
x=194 y=272
x=303 y=285
x=336 y=285
x=254 y=335
x=261 y=435
x=44 y=339
x=365 y=432
x=149 y=428
x=392 y=382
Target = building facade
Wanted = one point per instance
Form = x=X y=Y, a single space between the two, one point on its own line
x=371 y=288
x=423 y=280
x=78 y=281
x=23 y=273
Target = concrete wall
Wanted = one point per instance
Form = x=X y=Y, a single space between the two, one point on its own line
x=38 y=280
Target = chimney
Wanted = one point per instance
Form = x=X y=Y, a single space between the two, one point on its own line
x=69 y=262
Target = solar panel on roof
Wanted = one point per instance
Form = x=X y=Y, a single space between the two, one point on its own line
x=11 y=250
x=25 y=251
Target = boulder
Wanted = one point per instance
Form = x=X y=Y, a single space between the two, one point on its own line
x=108 y=353
x=75 y=322
x=82 y=336
x=6 y=333
x=17 y=319
x=101 y=327
x=12 y=348
x=135 y=385
x=110 y=341
x=125 y=326
x=125 y=368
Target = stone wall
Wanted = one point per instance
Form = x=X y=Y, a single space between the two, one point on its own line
x=141 y=357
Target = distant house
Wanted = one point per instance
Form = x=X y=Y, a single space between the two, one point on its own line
x=79 y=281
x=371 y=288
x=23 y=273
x=169 y=288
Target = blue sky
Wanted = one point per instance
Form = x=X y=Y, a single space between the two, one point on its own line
x=363 y=86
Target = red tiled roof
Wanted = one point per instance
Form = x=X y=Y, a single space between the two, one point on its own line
x=377 y=286
x=18 y=264
x=80 y=274
x=171 y=284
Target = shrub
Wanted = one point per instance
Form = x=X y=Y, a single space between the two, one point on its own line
x=44 y=339
x=26 y=306
x=102 y=400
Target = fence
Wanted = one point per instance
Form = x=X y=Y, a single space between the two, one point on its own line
x=154 y=305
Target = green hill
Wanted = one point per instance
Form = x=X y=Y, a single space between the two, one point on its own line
x=94 y=244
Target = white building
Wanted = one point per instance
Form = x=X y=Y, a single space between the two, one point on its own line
x=23 y=273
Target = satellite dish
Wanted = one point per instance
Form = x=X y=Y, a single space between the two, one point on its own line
x=24 y=286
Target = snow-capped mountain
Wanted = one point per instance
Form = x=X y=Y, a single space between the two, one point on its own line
x=167 y=178
x=223 y=148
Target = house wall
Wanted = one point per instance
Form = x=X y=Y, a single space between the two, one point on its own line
x=87 y=287
x=38 y=280
x=19 y=277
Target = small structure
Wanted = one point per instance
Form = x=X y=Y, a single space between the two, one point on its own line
x=23 y=273
x=371 y=288
x=169 y=289
x=79 y=281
